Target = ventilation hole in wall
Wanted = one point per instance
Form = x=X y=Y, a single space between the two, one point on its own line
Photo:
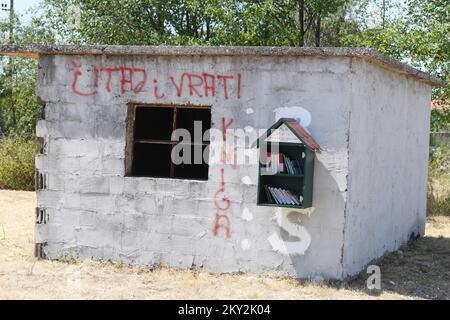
x=41 y=216
x=42 y=145
x=39 y=100
x=36 y=179
x=39 y=250
x=40 y=180
x=43 y=112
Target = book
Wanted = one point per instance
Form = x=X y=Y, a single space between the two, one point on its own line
x=296 y=167
x=288 y=165
x=280 y=196
x=293 y=169
x=281 y=163
x=268 y=195
x=300 y=171
x=277 y=195
x=267 y=159
x=293 y=197
x=287 y=197
x=274 y=196
x=277 y=192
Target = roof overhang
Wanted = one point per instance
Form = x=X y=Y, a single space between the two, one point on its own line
x=34 y=51
x=298 y=131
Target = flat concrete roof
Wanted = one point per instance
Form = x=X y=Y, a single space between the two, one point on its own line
x=34 y=51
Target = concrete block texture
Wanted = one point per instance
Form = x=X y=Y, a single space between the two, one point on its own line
x=369 y=179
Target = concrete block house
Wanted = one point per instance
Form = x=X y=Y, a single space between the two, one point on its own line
x=108 y=188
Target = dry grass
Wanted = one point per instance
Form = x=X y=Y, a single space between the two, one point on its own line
x=422 y=268
x=438 y=196
x=420 y=271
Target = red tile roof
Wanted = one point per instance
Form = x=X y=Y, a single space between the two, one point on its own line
x=296 y=129
x=302 y=134
x=440 y=104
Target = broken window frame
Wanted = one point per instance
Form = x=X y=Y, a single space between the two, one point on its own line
x=131 y=141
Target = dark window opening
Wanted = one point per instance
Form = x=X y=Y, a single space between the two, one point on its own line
x=149 y=144
x=153 y=123
x=193 y=171
x=187 y=117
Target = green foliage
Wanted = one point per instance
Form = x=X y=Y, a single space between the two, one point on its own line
x=18 y=107
x=440 y=120
x=18 y=103
x=17 y=163
x=420 y=37
x=196 y=22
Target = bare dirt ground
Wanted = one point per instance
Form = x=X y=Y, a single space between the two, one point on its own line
x=418 y=271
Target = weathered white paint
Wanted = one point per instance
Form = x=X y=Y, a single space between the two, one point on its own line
x=302 y=115
x=247 y=214
x=283 y=134
x=388 y=155
x=294 y=229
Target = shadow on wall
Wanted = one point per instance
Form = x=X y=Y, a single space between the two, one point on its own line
x=313 y=238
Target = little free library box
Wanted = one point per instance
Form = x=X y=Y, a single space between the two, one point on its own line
x=308 y=162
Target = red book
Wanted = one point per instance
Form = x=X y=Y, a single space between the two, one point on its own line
x=281 y=163
x=268 y=195
x=267 y=159
x=267 y=163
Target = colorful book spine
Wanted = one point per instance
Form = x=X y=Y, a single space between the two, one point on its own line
x=288 y=165
x=278 y=196
x=293 y=197
x=283 y=198
x=268 y=195
x=282 y=168
x=274 y=195
x=287 y=197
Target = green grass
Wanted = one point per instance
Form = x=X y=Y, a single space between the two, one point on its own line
x=17 y=163
x=438 y=198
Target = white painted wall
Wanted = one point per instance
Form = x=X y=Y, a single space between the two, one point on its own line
x=389 y=136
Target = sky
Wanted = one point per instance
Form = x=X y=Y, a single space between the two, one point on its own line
x=20 y=6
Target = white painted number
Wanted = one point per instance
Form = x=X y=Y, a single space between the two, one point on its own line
x=374 y=280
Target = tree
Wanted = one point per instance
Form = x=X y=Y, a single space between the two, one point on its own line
x=18 y=107
x=419 y=37
x=417 y=34
x=206 y=22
